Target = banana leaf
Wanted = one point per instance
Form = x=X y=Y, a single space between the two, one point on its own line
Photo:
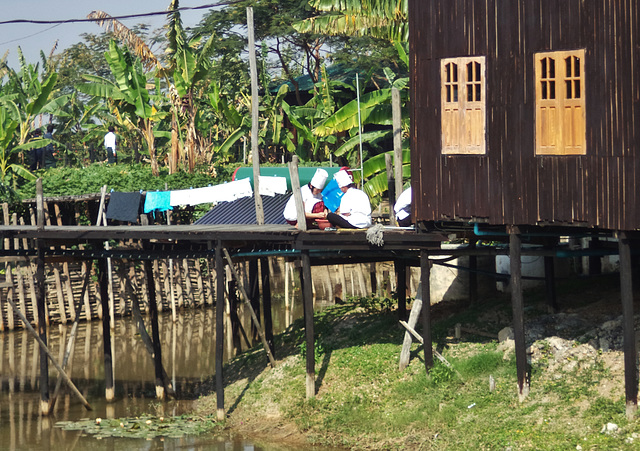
x=346 y=117
x=367 y=137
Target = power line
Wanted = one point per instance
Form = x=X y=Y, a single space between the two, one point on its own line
x=127 y=16
x=29 y=36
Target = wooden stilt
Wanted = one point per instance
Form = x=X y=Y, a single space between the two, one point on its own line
x=254 y=295
x=266 y=303
x=549 y=279
x=42 y=328
x=40 y=303
x=219 y=265
x=155 y=331
x=515 y=249
x=630 y=355
x=307 y=296
x=106 y=329
x=254 y=317
x=374 y=279
x=473 y=275
x=425 y=273
x=401 y=284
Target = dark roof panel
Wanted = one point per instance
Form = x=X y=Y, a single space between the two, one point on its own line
x=243 y=211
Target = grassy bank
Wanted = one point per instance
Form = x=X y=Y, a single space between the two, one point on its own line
x=364 y=402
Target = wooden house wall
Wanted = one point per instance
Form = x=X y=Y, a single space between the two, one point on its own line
x=510 y=184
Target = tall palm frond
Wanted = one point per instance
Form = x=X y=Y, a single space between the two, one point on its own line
x=132 y=40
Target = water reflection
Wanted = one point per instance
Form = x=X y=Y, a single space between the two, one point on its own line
x=188 y=358
x=188 y=351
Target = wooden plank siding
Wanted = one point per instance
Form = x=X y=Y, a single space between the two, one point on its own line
x=510 y=184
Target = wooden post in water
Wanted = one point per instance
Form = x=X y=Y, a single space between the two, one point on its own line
x=425 y=273
x=307 y=296
x=103 y=281
x=40 y=303
x=515 y=250
x=155 y=330
x=266 y=303
x=630 y=354
x=220 y=413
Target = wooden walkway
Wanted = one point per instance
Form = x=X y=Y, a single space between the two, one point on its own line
x=56 y=247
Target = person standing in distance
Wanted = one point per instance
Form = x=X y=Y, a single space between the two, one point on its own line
x=110 y=145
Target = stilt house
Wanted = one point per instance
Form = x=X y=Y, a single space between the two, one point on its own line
x=526 y=112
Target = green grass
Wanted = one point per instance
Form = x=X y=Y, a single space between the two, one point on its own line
x=363 y=401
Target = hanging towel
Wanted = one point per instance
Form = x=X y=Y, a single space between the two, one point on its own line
x=225 y=192
x=124 y=206
x=272 y=185
x=157 y=200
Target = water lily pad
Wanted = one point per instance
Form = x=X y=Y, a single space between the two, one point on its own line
x=145 y=427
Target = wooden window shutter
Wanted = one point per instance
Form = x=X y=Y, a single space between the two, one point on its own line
x=463 y=106
x=560 y=103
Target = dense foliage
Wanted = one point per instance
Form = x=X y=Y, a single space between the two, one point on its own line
x=179 y=98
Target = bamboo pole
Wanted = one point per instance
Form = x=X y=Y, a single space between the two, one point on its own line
x=440 y=357
x=70 y=344
x=255 y=156
x=247 y=302
x=46 y=350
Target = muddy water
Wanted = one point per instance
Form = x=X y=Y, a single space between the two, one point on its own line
x=188 y=354
x=188 y=357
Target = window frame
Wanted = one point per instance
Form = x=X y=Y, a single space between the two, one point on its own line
x=560 y=123
x=463 y=119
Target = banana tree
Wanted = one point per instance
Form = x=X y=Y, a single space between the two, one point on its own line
x=387 y=19
x=26 y=96
x=188 y=63
x=9 y=169
x=127 y=96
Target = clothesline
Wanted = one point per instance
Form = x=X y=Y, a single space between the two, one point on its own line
x=126 y=206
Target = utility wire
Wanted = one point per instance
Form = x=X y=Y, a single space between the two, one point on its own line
x=29 y=36
x=127 y=16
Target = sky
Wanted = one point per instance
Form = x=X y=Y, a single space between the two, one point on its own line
x=32 y=38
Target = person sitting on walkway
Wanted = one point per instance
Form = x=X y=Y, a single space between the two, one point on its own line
x=402 y=208
x=355 y=207
x=311 y=199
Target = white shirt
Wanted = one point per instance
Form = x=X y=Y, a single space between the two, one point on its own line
x=289 y=212
x=110 y=141
x=357 y=204
x=403 y=204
